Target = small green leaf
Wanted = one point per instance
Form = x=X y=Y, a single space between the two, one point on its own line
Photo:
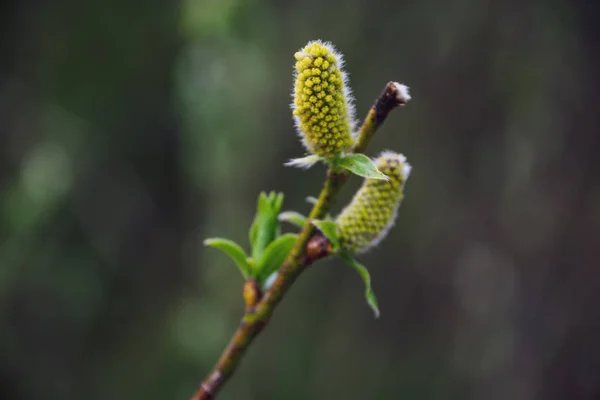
x=364 y=274
x=261 y=208
x=263 y=202
x=293 y=218
x=265 y=227
x=251 y=264
x=278 y=202
x=234 y=251
x=274 y=256
x=329 y=230
x=360 y=165
x=304 y=162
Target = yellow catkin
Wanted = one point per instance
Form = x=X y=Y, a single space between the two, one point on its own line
x=322 y=107
x=372 y=211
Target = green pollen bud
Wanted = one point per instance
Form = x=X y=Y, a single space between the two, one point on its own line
x=323 y=108
x=368 y=218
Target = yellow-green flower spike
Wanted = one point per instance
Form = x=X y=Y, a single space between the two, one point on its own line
x=323 y=105
x=368 y=218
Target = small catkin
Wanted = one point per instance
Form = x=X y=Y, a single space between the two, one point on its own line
x=322 y=108
x=372 y=212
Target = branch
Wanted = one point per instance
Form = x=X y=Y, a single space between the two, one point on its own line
x=307 y=249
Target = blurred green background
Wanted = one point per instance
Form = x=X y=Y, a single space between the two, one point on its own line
x=130 y=131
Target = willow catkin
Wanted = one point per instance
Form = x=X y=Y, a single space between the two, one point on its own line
x=372 y=211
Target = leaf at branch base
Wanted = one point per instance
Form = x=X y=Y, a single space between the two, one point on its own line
x=261 y=207
x=364 y=274
x=234 y=251
x=329 y=230
x=293 y=218
x=265 y=227
x=277 y=202
x=360 y=165
x=276 y=205
x=274 y=256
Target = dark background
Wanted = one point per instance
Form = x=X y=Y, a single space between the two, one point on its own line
x=130 y=131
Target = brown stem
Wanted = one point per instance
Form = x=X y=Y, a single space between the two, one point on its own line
x=307 y=249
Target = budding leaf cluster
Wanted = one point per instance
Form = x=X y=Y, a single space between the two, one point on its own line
x=269 y=246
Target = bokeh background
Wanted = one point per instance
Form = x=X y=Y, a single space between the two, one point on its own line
x=130 y=131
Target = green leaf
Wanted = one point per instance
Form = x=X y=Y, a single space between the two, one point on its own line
x=265 y=227
x=304 y=162
x=234 y=251
x=364 y=274
x=329 y=230
x=261 y=207
x=274 y=255
x=276 y=207
x=293 y=218
x=360 y=165
x=278 y=202
x=251 y=265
